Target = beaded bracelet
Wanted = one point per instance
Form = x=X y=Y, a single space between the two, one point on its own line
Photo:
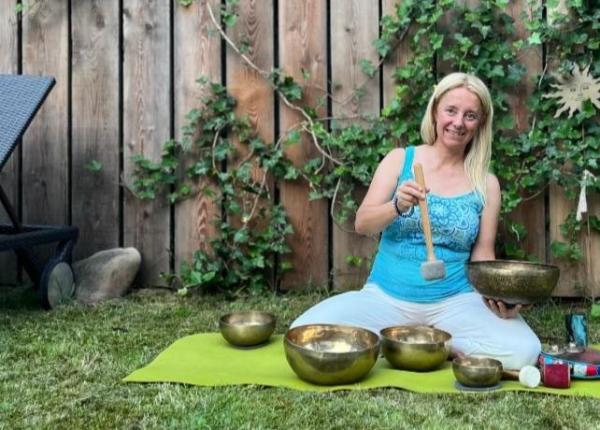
x=398 y=211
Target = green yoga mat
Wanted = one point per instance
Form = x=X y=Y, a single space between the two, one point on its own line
x=208 y=360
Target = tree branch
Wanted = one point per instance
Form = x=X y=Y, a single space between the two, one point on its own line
x=266 y=76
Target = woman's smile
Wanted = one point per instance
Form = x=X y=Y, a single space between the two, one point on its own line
x=458 y=133
x=457 y=116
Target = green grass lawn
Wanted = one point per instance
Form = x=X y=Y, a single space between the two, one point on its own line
x=63 y=369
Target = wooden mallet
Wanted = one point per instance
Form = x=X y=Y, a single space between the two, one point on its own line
x=432 y=268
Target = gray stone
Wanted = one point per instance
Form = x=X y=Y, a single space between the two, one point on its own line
x=106 y=274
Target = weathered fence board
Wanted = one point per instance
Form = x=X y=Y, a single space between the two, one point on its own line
x=10 y=172
x=146 y=126
x=581 y=277
x=354 y=25
x=530 y=213
x=302 y=46
x=254 y=94
x=591 y=249
x=197 y=53
x=9 y=60
x=95 y=121
x=398 y=58
x=45 y=147
x=570 y=274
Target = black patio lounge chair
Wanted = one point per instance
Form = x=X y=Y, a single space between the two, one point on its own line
x=20 y=98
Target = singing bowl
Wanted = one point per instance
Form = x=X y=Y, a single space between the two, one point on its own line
x=329 y=354
x=417 y=347
x=247 y=328
x=477 y=372
x=513 y=282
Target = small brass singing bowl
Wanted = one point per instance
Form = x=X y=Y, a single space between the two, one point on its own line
x=418 y=347
x=329 y=354
x=513 y=282
x=247 y=328
x=477 y=372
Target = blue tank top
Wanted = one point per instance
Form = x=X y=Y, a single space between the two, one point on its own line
x=454 y=224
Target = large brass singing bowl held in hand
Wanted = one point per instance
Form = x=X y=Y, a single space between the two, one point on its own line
x=328 y=354
x=417 y=347
x=477 y=372
x=247 y=328
x=513 y=282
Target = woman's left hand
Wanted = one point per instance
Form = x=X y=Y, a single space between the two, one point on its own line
x=502 y=309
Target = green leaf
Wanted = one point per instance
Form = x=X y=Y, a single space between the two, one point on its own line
x=594 y=222
x=229 y=19
x=559 y=249
x=354 y=260
x=367 y=67
x=94 y=166
x=570 y=251
x=292 y=137
x=241 y=236
x=286 y=266
x=383 y=47
x=535 y=39
x=497 y=71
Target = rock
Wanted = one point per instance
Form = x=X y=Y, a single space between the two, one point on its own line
x=106 y=274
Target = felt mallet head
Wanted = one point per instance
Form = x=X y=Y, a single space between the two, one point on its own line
x=431 y=270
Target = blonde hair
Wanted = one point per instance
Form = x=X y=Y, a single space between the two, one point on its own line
x=479 y=150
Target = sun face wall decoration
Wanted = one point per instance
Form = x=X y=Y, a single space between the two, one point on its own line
x=573 y=91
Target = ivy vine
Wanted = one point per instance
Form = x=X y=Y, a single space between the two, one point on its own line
x=482 y=41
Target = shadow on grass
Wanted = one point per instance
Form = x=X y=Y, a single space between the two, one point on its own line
x=21 y=297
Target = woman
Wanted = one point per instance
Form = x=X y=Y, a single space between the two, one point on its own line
x=464 y=203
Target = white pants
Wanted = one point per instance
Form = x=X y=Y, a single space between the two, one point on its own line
x=474 y=328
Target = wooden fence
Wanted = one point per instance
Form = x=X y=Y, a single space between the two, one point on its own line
x=126 y=74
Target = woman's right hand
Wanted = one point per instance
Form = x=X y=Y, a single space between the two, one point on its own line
x=408 y=195
x=377 y=209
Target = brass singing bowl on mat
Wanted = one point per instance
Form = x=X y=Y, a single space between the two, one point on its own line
x=247 y=328
x=329 y=354
x=513 y=282
x=477 y=372
x=416 y=347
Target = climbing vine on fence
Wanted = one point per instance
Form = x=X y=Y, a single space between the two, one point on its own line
x=441 y=35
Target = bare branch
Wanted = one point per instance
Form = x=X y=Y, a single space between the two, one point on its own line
x=247 y=219
x=214 y=144
x=266 y=76
x=320 y=149
x=332 y=208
